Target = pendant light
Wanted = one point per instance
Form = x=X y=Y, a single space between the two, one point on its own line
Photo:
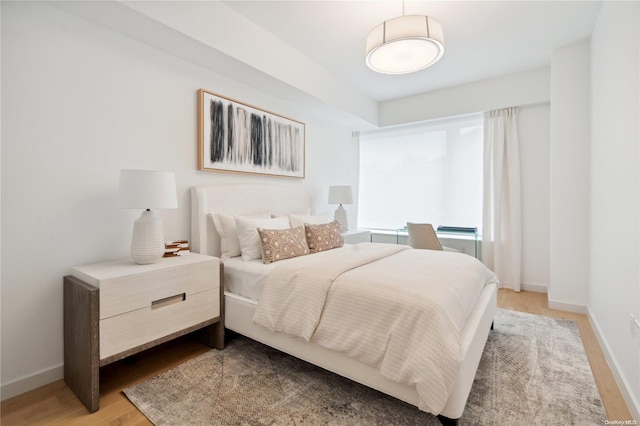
x=405 y=44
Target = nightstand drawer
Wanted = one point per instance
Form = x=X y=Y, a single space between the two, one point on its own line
x=135 y=328
x=142 y=284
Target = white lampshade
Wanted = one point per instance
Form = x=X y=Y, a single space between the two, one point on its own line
x=340 y=194
x=147 y=189
x=405 y=44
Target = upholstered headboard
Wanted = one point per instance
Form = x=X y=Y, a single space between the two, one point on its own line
x=238 y=199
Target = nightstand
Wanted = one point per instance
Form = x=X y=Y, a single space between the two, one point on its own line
x=354 y=236
x=116 y=309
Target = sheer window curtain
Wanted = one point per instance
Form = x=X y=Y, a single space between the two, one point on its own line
x=501 y=215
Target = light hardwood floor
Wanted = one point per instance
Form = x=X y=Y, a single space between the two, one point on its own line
x=55 y=404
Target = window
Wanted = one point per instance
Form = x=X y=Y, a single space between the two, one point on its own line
x=427 y=172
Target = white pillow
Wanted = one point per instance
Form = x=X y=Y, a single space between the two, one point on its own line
x=249 y=238
x=299 y=220
x=304 y=212
x=226 y=228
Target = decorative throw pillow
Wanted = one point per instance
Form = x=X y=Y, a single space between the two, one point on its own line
x=226 y=228
x=324 y=236
x=298 y=220
x=248 y=237
x=280 y=244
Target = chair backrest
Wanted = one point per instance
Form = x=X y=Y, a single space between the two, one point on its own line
x=423 y=236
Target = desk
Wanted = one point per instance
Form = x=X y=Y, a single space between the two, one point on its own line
x=470 y=236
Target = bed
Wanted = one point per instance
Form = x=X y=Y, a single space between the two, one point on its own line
x=241 y=305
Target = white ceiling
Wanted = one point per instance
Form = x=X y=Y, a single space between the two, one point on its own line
x=483 y=39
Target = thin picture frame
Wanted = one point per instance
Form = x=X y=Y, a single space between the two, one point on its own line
x=236 y=137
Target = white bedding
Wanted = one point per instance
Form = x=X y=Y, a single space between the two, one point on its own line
x=398 y=309
x=246 y=278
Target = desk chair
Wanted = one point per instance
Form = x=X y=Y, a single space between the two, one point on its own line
x=423 y=236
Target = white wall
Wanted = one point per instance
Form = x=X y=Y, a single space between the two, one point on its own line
x=614 y=291
x=80 y=103
x=524 y=88
x=212 y=22
x=531 y=92
x=533 y=132
x=569 y=223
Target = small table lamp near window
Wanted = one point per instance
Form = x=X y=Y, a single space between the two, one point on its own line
x=341 y=195
x=147 y=189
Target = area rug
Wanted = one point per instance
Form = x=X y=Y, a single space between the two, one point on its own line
x=534 y=371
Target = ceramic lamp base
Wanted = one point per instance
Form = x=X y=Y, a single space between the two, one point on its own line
x=147 y=244
x=341 y=216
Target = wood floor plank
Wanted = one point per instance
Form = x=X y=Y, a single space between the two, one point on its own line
x=56 y=405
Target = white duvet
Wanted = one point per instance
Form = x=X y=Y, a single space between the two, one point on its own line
x=392 y=307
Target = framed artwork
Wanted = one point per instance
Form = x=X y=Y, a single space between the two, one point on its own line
x=240 y=138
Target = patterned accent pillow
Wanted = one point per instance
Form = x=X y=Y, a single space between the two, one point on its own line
x=248 y=235
x=323 y=237
x=280 y=244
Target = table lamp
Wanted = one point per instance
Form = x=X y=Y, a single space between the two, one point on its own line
x=341 y=194
x=147 y=189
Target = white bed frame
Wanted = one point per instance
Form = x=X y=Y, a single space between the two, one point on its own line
x=239 y=199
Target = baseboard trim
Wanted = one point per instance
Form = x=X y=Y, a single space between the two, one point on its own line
x=30 y=382
x=569 y=307
x=623 y=385
x=536 y=288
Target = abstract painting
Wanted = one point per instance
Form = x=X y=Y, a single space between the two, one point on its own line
x=239 y=138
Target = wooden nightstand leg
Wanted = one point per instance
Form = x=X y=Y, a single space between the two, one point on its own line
x=218 y=339
x=82 y=341
x=213 y=335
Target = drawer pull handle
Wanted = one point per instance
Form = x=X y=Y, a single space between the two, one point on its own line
x=168 y=301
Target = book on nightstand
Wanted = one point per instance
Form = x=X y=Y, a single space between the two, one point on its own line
x=176 y=248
